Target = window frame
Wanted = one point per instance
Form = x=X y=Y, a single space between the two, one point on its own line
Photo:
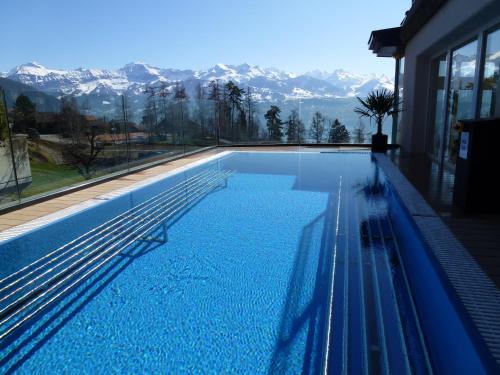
x=485 y=34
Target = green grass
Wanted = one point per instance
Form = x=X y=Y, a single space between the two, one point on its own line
x=48 y=176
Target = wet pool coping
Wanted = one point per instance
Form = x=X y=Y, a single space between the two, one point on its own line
x=477 y=292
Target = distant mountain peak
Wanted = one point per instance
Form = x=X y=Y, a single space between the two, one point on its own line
x=34 y=64
x=132 y=78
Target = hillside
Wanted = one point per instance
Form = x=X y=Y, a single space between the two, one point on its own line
x=43 y=101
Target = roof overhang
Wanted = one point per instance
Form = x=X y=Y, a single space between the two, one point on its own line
x=420 y=13
x=387 y=42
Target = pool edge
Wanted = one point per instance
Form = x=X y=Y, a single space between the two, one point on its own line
x=476 y=291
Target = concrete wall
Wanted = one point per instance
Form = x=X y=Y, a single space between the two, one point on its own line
x=7 y=180
x=455 y=23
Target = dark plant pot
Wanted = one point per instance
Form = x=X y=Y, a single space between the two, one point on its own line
x=379 y=143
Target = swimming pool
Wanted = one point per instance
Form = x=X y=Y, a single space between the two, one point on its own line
x=274 y=263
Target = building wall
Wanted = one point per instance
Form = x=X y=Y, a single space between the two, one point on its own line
x=455 y=23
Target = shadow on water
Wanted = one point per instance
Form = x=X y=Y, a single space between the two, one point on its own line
x=299 y=315
x=63 y=312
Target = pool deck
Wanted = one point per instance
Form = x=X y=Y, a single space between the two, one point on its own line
x=478 y=233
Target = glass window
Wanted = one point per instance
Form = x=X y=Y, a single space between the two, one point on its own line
x=461 y=103
x=439 y=69
x=490 y=75
x=401 y=96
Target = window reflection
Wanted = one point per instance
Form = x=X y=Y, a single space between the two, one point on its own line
x=401 y=96
x=490 y=75
x=440 y=69
x=461 y=94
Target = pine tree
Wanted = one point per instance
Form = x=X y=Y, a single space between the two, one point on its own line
x=180 y=97
x=214 y=95
x=317 y=127
x=274 y=123
x=338 y=133
x=200 y=115
x=234 y=97
x=23 y=114
x=295 y=127
x=251 y=111
x=359 y=135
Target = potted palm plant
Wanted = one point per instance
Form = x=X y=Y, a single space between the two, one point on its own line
x=378 y=105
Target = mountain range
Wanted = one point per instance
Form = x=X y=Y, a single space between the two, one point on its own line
x=268 y=83
x=100 y=88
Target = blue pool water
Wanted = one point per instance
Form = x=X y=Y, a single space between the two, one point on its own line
x=293 y=266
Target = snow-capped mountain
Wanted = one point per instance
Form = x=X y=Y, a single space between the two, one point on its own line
x=266 y=83
x=353 y=84
x=99 y=90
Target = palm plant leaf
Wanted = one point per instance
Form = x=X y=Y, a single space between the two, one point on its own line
x=378 y=105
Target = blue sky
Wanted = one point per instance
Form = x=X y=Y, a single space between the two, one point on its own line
x=294 y=35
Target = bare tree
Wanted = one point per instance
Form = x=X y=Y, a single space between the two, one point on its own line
x=83 y=149
x=151 y=109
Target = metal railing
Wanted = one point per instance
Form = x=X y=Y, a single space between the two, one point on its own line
x=28 y=291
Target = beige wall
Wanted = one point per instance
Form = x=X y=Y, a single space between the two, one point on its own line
x=455 y=23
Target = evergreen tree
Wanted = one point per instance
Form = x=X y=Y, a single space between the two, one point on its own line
x=181 y=97
x=23 y=114
x=338 y=133
x=201 y=116
x=301 y=131
x=274 y=123
x=214 y=95
x=317 y=127
x=295 y=127
x=251 y=109
x=235 y=99
x=359 y=135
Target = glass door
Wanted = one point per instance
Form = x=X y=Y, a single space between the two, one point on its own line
x=491 y=70
x=439 y=68
x=461 y=96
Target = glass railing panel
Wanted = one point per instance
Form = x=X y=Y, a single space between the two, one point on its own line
x=63 y=140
